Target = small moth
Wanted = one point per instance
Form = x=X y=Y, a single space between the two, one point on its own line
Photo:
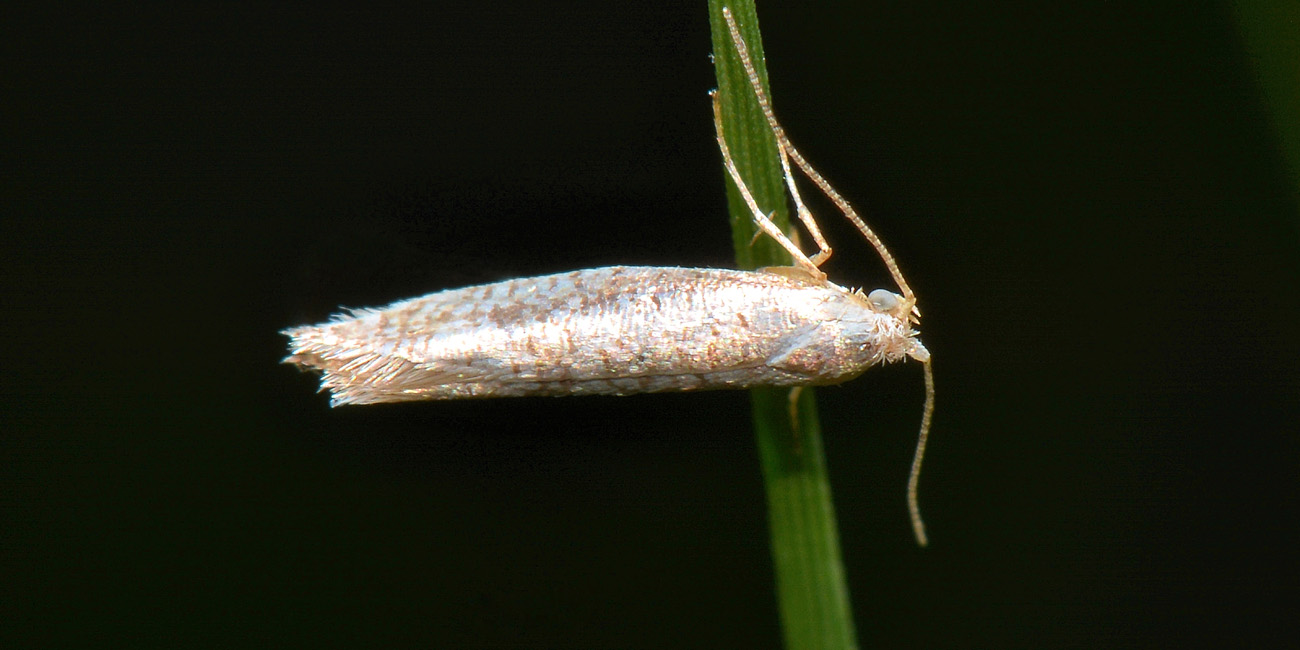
x=624 y=330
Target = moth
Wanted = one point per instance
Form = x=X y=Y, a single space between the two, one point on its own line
x=624 y=330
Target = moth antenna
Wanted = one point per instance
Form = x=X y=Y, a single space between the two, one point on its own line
x=788 y=149
x=913 y=507
x=905 y=309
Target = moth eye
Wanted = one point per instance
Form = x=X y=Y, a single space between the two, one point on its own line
x=883 y=300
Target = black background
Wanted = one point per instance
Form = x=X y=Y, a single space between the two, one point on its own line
x=1086 y=196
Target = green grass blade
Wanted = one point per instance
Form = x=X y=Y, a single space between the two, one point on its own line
x=811 y=591
x=1268 y=32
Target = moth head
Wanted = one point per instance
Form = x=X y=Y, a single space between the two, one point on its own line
x=885 y=301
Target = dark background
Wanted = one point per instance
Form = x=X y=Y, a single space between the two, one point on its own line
x=1086 y=196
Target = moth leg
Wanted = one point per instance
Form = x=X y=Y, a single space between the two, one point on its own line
x=761 y=219
x=794 y=416
x=788 y=150
x=804 y=214
x=794 y=406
